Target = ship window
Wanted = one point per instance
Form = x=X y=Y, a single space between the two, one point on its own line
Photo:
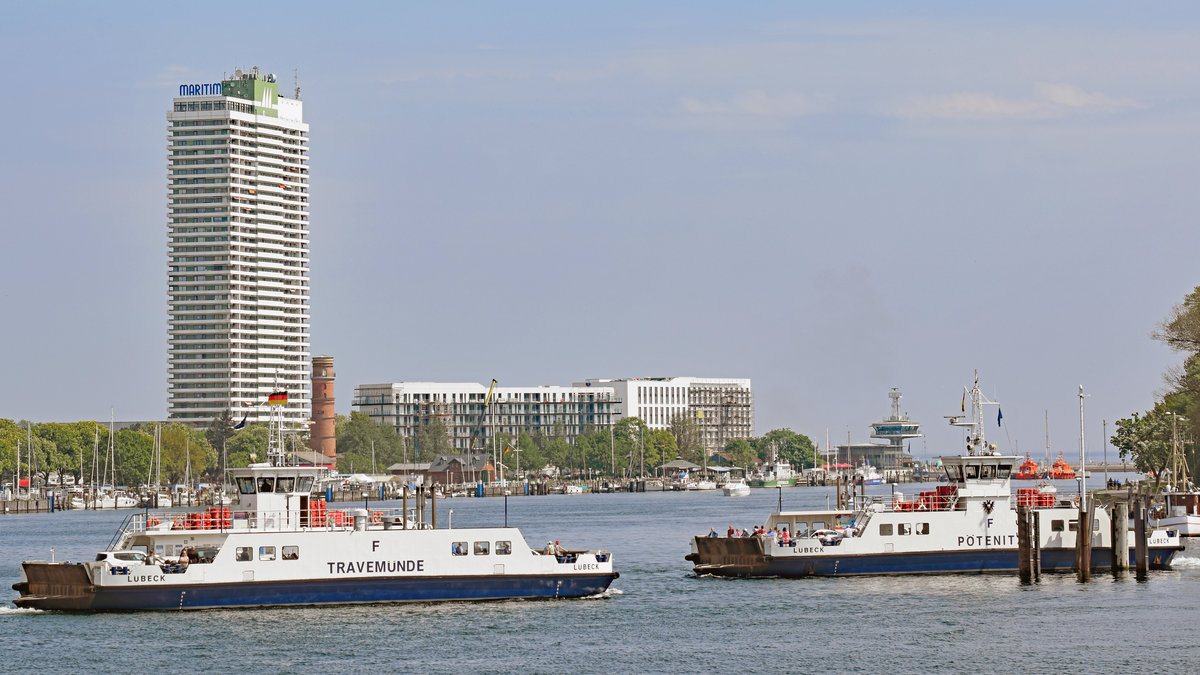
x=987 y=471
x=1073 y=525
x=503 y=548
x=971 y=471
x=285 y=484
x=245 y=485
x=885 y=529
x=1056 y=526
x=1004 y=471
x=266 y=552
x=1095 y=525
x=266 y=484
x=801 y=529
x=304 y=484
x=953 y=473
x=244 y=553
x=817 y=525
x=458 y=548
x=291 y=552
x=481 y=548
x=922 y=528
x=904 y=529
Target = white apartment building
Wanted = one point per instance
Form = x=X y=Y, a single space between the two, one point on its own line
x=722 y=407
x=238 y=263
x=550 y=410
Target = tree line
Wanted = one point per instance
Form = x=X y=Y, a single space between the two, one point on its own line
x=631 y=448
x=1147 y=437
x=628 y=449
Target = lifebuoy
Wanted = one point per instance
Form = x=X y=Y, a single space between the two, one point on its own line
x=180 y=523
x=152 y=522
x=376 y=517
x=1075 y=501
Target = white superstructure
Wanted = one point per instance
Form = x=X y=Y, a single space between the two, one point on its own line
x=238 y=263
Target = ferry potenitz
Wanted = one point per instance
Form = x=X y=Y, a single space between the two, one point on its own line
x=967 y=525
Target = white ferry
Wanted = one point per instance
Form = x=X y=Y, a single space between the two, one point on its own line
x=281 y=546
x=968 y=525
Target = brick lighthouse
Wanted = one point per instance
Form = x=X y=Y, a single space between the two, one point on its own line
x=322 y=437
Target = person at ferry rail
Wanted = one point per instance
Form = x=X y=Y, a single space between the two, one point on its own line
x=785 y=538
x=712 y=532
x=731 y=532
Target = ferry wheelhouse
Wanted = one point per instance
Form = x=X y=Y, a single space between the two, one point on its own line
x=967 y=525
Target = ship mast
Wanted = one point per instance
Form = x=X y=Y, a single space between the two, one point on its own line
x=976 y=441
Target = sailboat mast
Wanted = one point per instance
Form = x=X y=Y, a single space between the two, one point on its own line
x=1047 y=440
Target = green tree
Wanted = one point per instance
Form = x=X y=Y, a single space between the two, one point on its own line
x=1181 y=332
x=220 y=429
x=185 y=451
x=789 y=446
x=631 y=435
x=133 y=450
x=360 y=441
x=742 y=453
x=246 y=445
x=531 y=458
x=1146 y=439
x=660 y=448
x=432 y=439
x=685 y=431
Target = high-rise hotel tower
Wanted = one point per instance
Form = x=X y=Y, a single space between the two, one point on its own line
x=237 y=279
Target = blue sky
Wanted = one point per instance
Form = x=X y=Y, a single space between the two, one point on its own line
x=831 y=200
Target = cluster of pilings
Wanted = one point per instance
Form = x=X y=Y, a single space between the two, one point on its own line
x=1029 y=539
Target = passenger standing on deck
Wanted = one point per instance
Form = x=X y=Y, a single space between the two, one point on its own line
x=712 y=532
x=731 y=532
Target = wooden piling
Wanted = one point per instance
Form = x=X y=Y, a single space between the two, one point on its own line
x=1120 y=536
x=1141 y=550
x=1083 y=539
x=1024 y=544
x=1037 y=544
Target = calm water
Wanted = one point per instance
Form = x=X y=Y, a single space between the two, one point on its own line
x=657 y=618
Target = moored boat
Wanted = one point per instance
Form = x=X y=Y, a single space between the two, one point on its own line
x=736 y=487
x=1028 y=470
x=1060 y=470
x=967 y=525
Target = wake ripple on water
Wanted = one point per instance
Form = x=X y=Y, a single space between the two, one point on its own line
x=7 y=611
x=1185 y=562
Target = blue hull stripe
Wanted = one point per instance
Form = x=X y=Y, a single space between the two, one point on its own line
x=348 y=591
x=929 y=562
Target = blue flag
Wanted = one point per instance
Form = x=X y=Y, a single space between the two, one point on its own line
x=999 y=415
x=241 y=424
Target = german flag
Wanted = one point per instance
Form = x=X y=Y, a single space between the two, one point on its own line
x=278 y=398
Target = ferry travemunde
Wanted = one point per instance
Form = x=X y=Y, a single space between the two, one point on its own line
x=968 y=525
x=281 y=546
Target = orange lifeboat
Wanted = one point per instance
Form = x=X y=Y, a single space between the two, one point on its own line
x=1061 y=470
x=1028 y=470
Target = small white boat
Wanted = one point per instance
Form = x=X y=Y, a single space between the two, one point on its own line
x=702 y=484
x=868 y=475
x=736 y=488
